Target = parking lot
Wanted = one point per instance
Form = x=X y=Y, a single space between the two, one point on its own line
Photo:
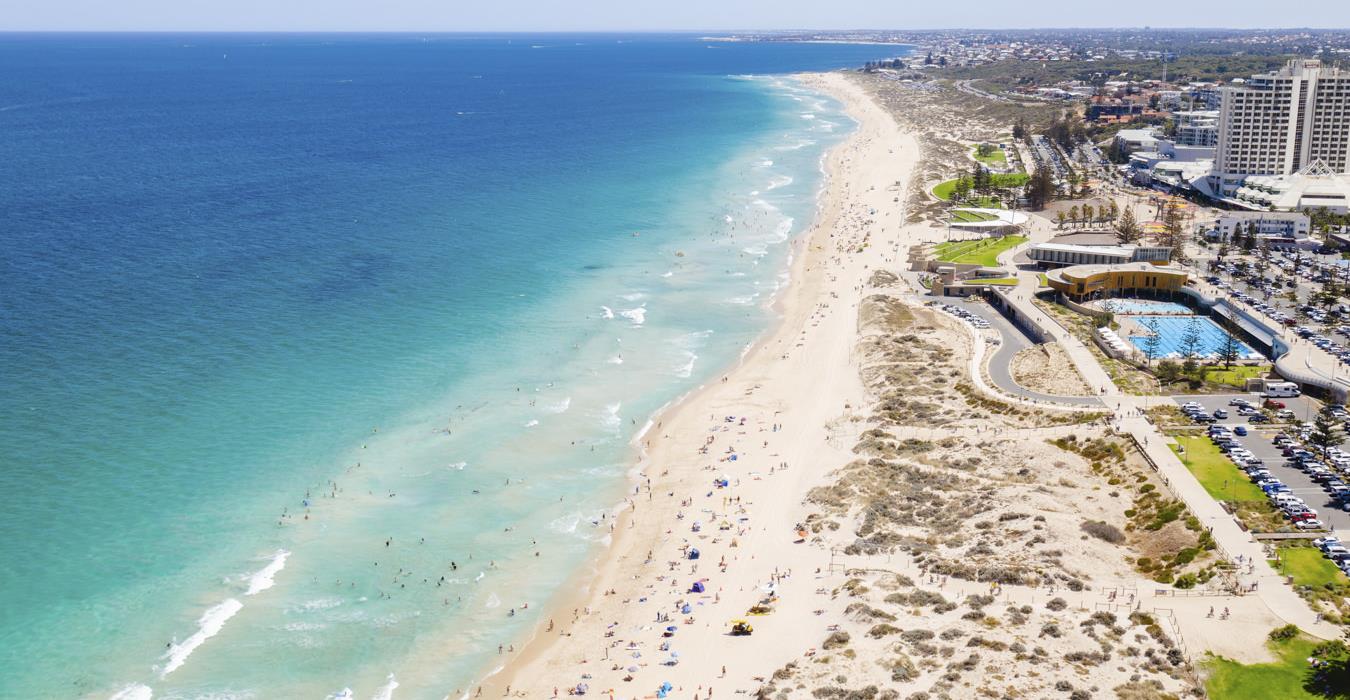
x=1259 y=441
x=1304 y=409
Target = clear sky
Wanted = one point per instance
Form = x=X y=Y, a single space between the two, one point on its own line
x=581 y=15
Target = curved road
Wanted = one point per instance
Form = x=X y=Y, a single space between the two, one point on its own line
x=1014 y=341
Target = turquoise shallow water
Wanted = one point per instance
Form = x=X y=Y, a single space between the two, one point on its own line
x=292 y=323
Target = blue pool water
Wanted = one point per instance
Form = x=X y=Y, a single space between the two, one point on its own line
x=1171 y=330
x=1144 y=306
x=282 y=315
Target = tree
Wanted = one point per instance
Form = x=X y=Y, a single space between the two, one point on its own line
x=961 y=190
x=1127 y=229
x=1060 y=218
x=1168 y=371
x=1227 y=349
x=1152 y=340
x=1191 y=339
x=1324 y=432
x=1039 y=189
x=1074 y=214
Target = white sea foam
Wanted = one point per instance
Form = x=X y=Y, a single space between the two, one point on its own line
x=531 y=423
x=387 y=691
x=493 y=601
x=687 y=368
x=783 y=229
x=796 y=146
x=344 y=694
x=766 y=163
x=633 y=296
x=458 y=466
x=743 y=301
x=611 y=418
x=262 y=580
x=808 y=115
x=782 y=181
x=758 y=251
x=208 y=625
x=616 y=360
x=727 y=218
x=315 y=605
x=607 y=312
x=135 y=691
x=559 y=406
x=668 y=273
x=638 y=316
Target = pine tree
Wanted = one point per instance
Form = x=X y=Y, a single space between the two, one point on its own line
x=1324 y=432
x=1127 y=229
x=1152 y=340
x=1227 y=349
x=1191 y=339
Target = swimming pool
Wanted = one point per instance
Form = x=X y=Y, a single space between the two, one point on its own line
x=1171 y=330
x=1143 y=306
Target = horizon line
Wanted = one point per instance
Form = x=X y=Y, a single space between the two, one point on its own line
x=723 y=31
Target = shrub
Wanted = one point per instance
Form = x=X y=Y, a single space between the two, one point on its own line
x=1103 y=531
x=1185 y=581
x=835 y=640
x=1057 y=604
x=1281 y=634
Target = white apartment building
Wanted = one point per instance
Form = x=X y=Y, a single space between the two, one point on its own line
x=1197 y=128
x=1276 y=224
x=1278 y=123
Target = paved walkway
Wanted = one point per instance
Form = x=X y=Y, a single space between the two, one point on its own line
x=1237 y=545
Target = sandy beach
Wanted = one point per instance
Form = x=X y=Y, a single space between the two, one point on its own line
x=877 y=513
x=773 y=427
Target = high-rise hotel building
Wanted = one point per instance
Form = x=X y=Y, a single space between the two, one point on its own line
x=1278 y=123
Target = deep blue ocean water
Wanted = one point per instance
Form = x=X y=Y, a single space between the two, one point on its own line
x=281 y=316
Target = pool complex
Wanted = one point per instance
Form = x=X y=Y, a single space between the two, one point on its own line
x=1171 y=329
x=1144 y=306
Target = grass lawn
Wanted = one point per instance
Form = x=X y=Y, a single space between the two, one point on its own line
x=1308 y=567
x=1000 y=281
x=971 y=216
x=944 y=190
x=1220 y=477
x=995 y=157
x=1044 y=282
x=1237 y=375
x=983 y=251
x=1283 y=679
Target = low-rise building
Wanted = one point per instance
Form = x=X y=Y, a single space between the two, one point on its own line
x=1084 y=282
x=1277 y=224
x=1049 y=255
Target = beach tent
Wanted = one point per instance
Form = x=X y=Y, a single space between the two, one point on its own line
x=693 y=554
x=686 y=609
x=697 y=587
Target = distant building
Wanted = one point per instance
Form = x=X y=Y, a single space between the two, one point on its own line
x=1048 y=255
x=1198 y=128
x=1131 y=140
x=1279 y=123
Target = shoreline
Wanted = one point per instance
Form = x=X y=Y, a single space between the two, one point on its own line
x=536 y=664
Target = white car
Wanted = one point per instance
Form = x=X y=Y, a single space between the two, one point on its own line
x=1310 y=525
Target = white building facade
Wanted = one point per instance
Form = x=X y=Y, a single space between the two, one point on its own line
x=1279 y=123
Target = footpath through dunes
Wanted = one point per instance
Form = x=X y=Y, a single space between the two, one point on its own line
x=726 y=471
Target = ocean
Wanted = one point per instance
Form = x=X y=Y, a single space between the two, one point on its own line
x=323 y=355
